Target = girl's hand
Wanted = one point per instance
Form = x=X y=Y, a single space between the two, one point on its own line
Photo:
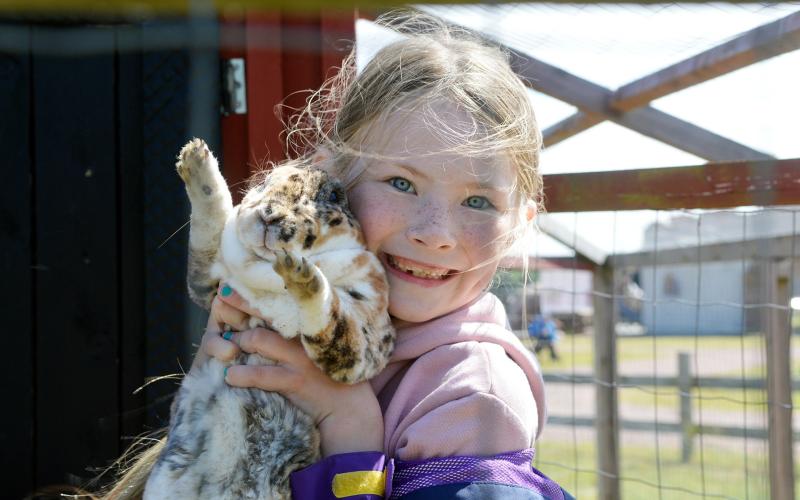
x=212 y=343
x=349 y=416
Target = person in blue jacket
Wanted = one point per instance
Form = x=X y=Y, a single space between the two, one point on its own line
x=544 y=331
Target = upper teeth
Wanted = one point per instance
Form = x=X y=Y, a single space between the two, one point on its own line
x=419 y=272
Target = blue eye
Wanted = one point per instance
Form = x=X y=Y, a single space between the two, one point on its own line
x=402 y=184
x=333 y=197
x=478 y=202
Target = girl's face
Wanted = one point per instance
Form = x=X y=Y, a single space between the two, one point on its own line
x=437 y=220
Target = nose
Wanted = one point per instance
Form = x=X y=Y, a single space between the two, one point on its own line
x=432 y=228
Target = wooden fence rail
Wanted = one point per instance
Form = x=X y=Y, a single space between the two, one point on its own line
x=641 y=425
x=683 y=383
x=645 y=380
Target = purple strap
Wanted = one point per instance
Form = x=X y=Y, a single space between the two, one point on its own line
x=404 y=477
x=507 y=468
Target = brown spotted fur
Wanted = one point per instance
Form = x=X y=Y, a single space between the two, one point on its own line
x=295 y=252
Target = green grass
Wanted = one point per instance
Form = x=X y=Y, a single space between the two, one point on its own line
x=717 y=400
x=644 y=472
x=571 y=349
x=723 y=471
x=577 y=350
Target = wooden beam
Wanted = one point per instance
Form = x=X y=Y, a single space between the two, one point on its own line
x=754 y=249
x=561 y=84
x=687 y=136
x=572 y=125
x=593 y=98
x=716 y=185
x=753 y=46
x=750 y=47
x=564 y=235
x=541 y=263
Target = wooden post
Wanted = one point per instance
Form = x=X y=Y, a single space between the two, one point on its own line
x=685 y=389
x=779 y=382
x=605 y=372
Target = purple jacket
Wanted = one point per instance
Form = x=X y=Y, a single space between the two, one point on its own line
x=371 y=476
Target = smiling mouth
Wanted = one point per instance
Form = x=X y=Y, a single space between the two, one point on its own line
x=418 y=270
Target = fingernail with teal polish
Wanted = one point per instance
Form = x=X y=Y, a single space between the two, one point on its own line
x=225 y=373
x=227 y=335
x=226 y=290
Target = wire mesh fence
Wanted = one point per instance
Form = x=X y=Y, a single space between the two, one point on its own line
x=682 y=391
x=695 y=337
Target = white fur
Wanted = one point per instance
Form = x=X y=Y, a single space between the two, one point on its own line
x=227 y=442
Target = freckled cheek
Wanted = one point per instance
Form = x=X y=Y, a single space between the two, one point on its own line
x=484 y=241
x=378 y=218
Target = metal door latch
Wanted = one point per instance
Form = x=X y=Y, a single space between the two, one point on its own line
x=234 y=87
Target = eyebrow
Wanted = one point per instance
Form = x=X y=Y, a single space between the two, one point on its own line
x=472 y=184
x=412 y=170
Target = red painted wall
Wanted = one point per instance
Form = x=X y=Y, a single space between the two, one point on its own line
x=285 y=55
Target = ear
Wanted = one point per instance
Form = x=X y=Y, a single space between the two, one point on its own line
x=321 y=155
x=529 y=210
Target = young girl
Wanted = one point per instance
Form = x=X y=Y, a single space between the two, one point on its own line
x=438 y=146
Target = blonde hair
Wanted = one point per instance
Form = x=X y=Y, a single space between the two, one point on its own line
x=433 y=62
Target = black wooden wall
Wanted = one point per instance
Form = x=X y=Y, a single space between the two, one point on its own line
x=94 y=298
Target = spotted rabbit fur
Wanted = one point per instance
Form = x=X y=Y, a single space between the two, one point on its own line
x=295 y=253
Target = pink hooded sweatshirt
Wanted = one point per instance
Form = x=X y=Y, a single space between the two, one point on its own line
x=461 y=384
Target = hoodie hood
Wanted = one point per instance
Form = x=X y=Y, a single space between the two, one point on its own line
x=482 y=320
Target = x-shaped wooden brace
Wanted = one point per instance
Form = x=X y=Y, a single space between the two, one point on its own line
x=628 y=105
